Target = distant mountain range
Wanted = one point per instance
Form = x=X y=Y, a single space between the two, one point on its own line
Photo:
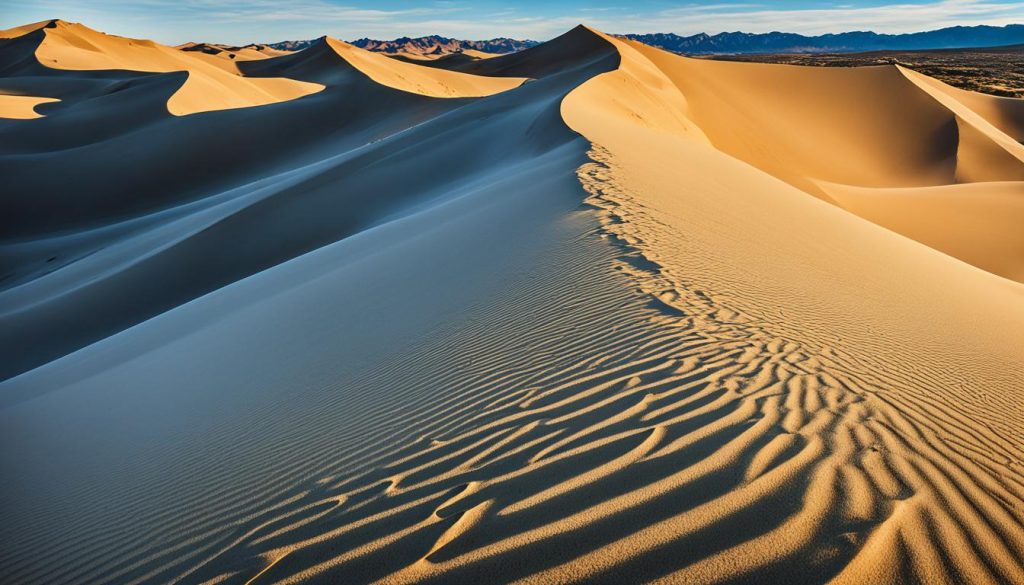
x=429 y=45
x=292 y=45
x=434 y=45
x=723 y=43
x=775 y=42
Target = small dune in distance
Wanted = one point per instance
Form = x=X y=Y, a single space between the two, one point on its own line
x=578 y=311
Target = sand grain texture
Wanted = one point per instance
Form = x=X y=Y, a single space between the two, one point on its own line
x=641 y=318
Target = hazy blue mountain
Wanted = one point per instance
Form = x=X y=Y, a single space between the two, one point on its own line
x=429 y=45
x=777 y=42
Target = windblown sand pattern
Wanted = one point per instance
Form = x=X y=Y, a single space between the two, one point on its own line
x=586 y=328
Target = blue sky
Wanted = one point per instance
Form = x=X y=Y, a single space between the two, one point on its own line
x=242 y=21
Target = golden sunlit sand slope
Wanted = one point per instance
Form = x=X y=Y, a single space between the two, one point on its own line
x=833 y=132
x=415 y=79
x=62 y=45
x=21 y=107
x=640 y=318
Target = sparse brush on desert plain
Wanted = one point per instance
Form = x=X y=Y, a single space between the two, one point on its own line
x=583 y=310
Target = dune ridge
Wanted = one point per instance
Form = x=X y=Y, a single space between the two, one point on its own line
x=246 y=53
x=206 y=87
x=921 y=134
x=863 y=483
x=22 y=107
x=400 y=75
x=215 y=82
x=120 y=241
x=589 y=328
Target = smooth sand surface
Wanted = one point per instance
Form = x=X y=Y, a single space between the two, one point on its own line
x=868 y=127
x=424 y=81
x=978 y=223
x=863 y=468
x=639 y=319
x=22 y=107
x=64 y=45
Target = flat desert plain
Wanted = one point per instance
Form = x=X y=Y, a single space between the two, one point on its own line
x=992 y=70
x=587 y=313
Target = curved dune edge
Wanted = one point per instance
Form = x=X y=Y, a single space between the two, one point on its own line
x=887 y=473
x=210 y=86
x=24 y=29
x=979 y=223
x=882 y=126
x=1004 y=113
x=426 y=81
x=215 y=83
x=217 y=53
x=985 y=153
x=22 y=107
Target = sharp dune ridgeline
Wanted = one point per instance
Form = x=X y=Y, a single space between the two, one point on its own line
x=588 y=312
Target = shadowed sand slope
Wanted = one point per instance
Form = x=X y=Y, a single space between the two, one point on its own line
x=214 y=82
x=425 y=81
x=327 y=163
x=246 y=53
x=582 y=329
x=207 y=86
x=977 y=223
x=539 y=61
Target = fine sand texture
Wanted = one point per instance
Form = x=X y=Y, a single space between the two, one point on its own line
x=587 y=313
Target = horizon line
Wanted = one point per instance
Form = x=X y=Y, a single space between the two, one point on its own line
x=527 y=39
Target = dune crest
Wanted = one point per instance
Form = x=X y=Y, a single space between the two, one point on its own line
x=246 y=53
x=421 y=80
x=24 y=29
x=207 y=86
x=825 y=129
x=883 y=460
x=985 y=152
x=22 y=107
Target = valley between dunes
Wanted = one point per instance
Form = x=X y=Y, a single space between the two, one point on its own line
x=587 y=313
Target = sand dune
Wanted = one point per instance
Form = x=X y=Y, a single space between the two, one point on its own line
x=246 y=53
x=640 y=319
x=22 y=107
x=63 y=45
x=413 y=79
x=463 y=55
x=977 y=223
x=1006 y=114
x=884 y=442
x=121 y=241
x=880 y=127
x=985 y=152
